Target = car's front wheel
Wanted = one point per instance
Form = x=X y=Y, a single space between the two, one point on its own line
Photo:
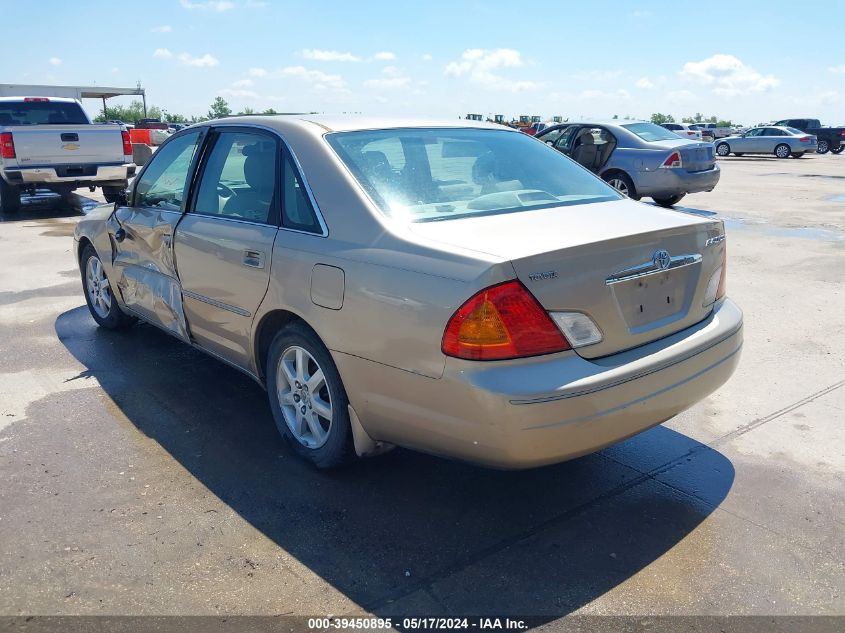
x=723 y=149
x=823 y=147
x=622 y=183
x=98 y=293
x=670 y=200
x=309 y=403
x=782 y=151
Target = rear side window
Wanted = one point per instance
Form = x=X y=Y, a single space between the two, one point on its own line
x=297 y=211
x=41 y=113
x=162 y=185
x=239 y=178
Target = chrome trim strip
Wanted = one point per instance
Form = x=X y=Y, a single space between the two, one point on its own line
x=651 y=268
x=323 y=227
x=216 y=304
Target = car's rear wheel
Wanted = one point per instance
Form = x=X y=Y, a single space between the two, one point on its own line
x=309 y=403
x=723 y=149
x=782 y=151
x=797 y=154
x=622 y=183
x=823 y=147
x=10 y=197
x=98 y=294
x=670 y=200
x=837 y=150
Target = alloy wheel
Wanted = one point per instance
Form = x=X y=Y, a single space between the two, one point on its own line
x=782 y=151
x=619 y=185
x=97 y=286
x=304 y=397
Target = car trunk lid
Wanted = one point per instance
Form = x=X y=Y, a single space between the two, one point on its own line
x=607 y=260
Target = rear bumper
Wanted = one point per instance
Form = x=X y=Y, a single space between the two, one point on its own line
x=531 y=412
x=669 y=182
x=80 y=175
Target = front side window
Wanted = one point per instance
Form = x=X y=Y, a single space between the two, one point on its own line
x=163 y=183
x=757 y=131
x=451 y=173
x=239 y=177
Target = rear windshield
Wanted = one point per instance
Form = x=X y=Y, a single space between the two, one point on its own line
x=41 y=113
x=794 y=130
x=651 y=132
x=432 y=174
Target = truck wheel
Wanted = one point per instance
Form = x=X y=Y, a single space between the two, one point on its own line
x=723 y=149
x=10 y=197
x=782 y=151
x=823 y=147
x=837 y=150
x=670 y=201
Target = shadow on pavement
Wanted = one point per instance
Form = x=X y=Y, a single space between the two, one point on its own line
x=45 y=204
x=405 y=529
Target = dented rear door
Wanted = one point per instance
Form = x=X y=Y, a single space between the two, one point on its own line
x=143 y=260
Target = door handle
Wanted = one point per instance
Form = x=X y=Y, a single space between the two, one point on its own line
x=254 y=259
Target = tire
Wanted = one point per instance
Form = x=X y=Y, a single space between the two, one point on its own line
x=111 y=194
x=797 y=154
x=670 y=201
x=723 y=149
x=782 y=151
x=823 y=147
x=622 y=183
x=324 y=439
x=101 y=302
x=10 y=197
x=837 y=150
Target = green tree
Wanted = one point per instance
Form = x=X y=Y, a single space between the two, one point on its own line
x=659 y=118
x=615 y=116
x=269 y=111
x=219 y=109
x=128 y=114
x=247 y=111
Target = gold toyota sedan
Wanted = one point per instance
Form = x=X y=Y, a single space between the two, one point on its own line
x=456 y=288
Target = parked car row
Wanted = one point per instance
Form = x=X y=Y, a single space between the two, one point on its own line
x=781 y=141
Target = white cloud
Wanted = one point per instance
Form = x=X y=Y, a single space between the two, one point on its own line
x=478 y=65
x=617 y=95
x=162 y=53
x=212 y=5
x=728 y=76
x=164 y=28
x=837 y=69
x=257 y=72
x=55 y=61
x=427 y=57
x=680 y=96
x=243 y=83
x=645 y=83
x=235 y=92
x=328 y=56
x=390 y=82
x=205 y=61
x=115 y=70
x=391 y=71
x=320 y=79
x=384 y=56
x=597 y=75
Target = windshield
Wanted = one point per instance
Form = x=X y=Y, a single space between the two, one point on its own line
x=430 y=174
x=651 y=132
x=41 y=113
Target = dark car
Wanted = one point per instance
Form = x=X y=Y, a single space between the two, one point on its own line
x=830 y=139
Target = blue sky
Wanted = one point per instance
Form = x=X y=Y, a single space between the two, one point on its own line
x=749 y=61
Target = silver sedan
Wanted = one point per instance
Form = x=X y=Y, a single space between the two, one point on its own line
x=781 y=141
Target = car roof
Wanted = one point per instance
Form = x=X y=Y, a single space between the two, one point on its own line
x=353 y=123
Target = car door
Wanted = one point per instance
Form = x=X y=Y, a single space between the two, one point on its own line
x=774 y=137
x=223 y=244
x=142 y=234
x=750 y=142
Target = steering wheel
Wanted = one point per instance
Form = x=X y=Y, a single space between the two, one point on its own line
x=225 y=192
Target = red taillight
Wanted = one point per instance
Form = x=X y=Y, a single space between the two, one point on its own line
x=7 y=145
x=842 y=134
x=804 y=139
x=36 y=100
x=673 y=161
x=127 y=143
x=499 y=322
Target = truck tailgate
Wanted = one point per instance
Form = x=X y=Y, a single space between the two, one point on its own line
x=43 y=145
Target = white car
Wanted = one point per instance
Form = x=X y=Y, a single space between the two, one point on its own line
x=683 y=130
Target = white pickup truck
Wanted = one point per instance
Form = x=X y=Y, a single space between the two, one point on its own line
x=51 y=143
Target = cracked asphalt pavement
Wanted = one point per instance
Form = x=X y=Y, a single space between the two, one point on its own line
x=141 y=477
